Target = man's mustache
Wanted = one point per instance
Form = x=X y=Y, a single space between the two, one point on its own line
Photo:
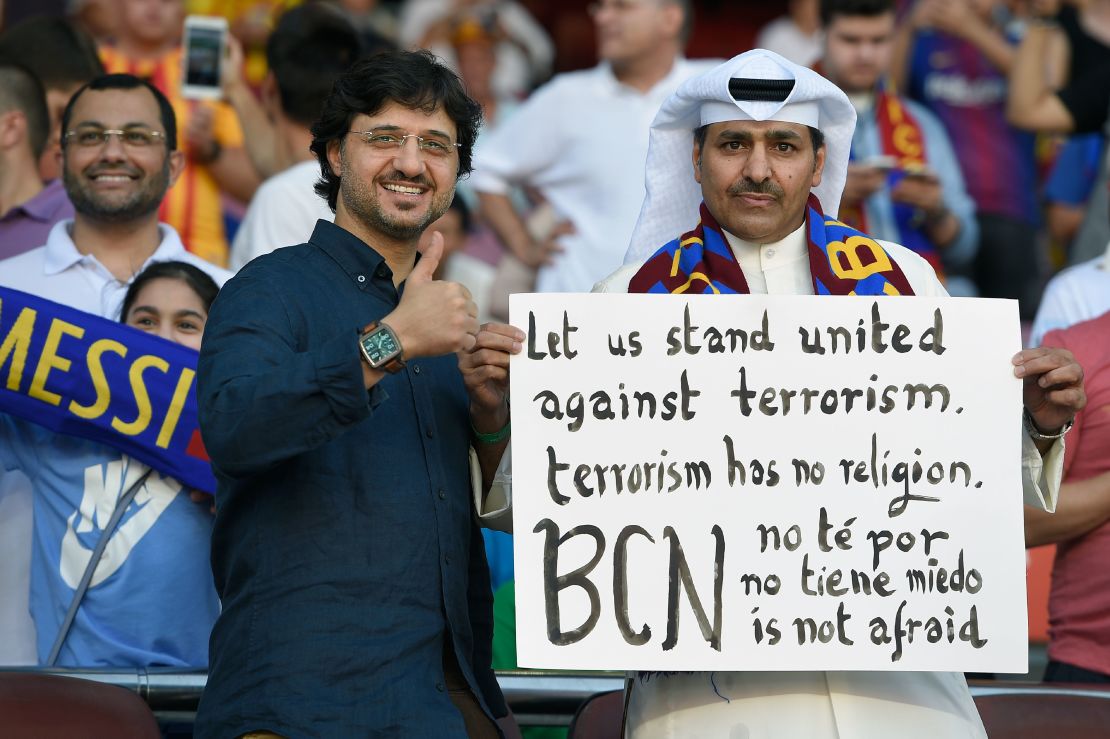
x=116 y=169
x=396 y=176
x=751 y=187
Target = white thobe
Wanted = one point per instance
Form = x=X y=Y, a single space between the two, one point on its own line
x=818 y=704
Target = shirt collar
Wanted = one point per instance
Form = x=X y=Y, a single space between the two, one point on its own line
x=863 y=102
x=793 y=246
x=358 y=259
x=610 y=83
x=62 y=253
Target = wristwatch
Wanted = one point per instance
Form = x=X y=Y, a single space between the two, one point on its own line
x=1037 y=434
x=381 y=348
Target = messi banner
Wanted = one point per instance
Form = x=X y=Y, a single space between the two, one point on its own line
x=80 y=374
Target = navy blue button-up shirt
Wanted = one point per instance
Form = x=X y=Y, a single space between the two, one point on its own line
x=345 y=549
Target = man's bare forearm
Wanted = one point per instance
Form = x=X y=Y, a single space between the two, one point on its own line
x=261 y=144
x=234 y=174
x=1083 y=506
x=1031 y=102
x=994 y=47
x=943 y=229
x=489 y=455
x=499 y=213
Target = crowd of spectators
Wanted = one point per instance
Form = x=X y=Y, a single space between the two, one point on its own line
x=979 y=144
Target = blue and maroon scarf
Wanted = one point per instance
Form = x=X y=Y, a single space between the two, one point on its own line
x=842 y=261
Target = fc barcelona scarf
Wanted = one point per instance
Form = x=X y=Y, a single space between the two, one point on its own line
x=842 y=261
x=901 y=139
x=83 y=375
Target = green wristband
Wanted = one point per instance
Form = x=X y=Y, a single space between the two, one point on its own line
x=495 y=438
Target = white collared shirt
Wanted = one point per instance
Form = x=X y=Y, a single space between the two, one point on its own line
x=582 y=141
x=282 y=212
x=1079 y=293
x=58 y=271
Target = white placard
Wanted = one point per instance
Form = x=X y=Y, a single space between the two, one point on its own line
x=767 y=483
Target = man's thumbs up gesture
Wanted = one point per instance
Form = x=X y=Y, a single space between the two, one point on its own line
x=434 y=317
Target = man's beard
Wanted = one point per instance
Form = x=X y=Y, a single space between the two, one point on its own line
x=141 y=203
x=362 y=203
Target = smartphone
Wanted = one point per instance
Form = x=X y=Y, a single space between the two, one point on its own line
x=203 y=57
x=883 y=162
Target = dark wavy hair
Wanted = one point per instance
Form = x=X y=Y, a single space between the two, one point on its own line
x=197 y=279
x=830 y=9
x=310 y=47
x=56 y=51
x=414 y=79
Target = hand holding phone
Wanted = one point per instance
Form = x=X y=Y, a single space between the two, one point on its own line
x=885 y=162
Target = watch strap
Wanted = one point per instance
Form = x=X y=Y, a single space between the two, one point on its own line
x=1038 y=435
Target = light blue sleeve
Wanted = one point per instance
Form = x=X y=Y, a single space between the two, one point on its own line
x=14 y=447
x=942 y=160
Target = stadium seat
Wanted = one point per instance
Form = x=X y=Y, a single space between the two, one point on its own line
x=1074 y=711
x=34 y=706
x=600 y=717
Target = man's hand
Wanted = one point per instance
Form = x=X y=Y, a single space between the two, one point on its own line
x=200 y=139
x=862 y=182
x=1046 y=8
x=198 y=497
x=231 y=72
x=954 y=17
x=1053 y=386
x=434 y=317
x=542 y=252
x=485 y=371
x=920 y=190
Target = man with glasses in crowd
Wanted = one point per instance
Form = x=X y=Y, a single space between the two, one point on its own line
x=119 y=156
x=339 y=421
x=581 y=141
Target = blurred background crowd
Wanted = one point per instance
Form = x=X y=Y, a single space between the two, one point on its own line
x=980 y=142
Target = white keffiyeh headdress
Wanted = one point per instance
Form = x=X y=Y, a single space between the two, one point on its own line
x=749 y=87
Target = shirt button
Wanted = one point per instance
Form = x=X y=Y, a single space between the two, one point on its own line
x=416 y=368
x=361 y=278
x=442 y=494
x=770 y=253
x=430 y=434
x=440 y=687
x=446 y=559
x=381 y=271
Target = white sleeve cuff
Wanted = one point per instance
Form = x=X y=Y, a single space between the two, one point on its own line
x=483 y=180
x=1041 y=476
x=495 y=509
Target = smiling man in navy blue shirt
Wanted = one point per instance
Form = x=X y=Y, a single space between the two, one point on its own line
x=341 y=388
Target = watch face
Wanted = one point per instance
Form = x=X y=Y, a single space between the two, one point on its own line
x=380 y=345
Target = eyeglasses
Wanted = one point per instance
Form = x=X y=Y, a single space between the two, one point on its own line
x=387 y=141
x=132 y=137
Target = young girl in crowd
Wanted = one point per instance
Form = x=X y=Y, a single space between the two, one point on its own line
x=150 y=600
